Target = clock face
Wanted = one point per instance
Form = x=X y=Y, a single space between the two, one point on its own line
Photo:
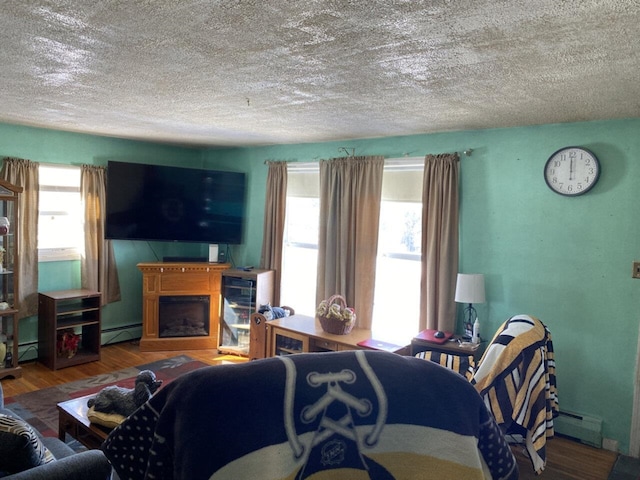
x=572 y=171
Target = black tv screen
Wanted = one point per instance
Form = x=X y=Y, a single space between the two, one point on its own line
x=153 y=202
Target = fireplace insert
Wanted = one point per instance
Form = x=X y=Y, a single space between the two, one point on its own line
x=183 y=316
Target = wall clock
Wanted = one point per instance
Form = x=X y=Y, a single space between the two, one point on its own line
x=572 y=171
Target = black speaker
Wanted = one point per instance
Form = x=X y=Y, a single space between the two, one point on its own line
x=184 y=259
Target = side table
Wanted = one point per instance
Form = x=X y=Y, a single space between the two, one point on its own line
x=454 y=346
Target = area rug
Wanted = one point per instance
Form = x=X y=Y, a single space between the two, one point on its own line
x=39 y=407
x=626 y=468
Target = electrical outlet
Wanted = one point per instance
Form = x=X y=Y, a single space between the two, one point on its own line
x=609 y=444
x=636 y=270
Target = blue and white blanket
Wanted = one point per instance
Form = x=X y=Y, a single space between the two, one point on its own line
x=357 y=415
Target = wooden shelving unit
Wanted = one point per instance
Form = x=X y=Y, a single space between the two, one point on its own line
x=78 y=310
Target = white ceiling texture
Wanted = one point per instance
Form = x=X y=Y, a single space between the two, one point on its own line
x=259 y=72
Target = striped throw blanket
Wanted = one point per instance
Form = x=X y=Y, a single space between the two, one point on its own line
x=516 y=378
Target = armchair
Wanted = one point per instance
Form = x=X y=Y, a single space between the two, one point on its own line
x=516 y=378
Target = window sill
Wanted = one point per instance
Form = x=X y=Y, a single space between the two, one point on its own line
x=58 y=254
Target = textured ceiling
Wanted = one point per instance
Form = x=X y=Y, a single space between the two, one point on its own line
x=279 y=71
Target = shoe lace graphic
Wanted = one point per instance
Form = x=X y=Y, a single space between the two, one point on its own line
x=329 y=426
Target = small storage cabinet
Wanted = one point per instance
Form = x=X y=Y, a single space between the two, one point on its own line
x=9 y=266
x=243 y=291
x=74 y=313
x=287 y=343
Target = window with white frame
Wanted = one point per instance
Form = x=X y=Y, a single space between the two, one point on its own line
x=300 y=244
x=60 y=221
x=397 y=289
x=396 y=303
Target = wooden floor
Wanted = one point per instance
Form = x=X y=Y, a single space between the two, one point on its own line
x=566 y=459
x=114 y=357
x=569 y=460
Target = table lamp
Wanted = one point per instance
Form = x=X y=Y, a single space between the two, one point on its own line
x=470 y=290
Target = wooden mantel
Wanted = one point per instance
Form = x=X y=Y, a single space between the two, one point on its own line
x=174 y=279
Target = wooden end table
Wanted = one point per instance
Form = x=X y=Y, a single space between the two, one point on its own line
x=72 y=419
x=453 y=346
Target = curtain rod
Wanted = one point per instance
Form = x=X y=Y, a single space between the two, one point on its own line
x=277 y=161
x=466 y=153
x=352 y=153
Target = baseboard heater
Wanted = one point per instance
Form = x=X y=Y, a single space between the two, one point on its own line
x=121 y=334
x=586 y=429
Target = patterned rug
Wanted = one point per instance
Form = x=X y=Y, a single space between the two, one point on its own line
x=626 y=468
x=39 y=407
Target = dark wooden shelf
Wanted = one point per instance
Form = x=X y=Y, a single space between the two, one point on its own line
x=82 y=356
x=75 y=321
x=78 y=310
x=74 y=309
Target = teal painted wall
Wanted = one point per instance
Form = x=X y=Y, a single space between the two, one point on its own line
x=48 y=146
x=565 y=260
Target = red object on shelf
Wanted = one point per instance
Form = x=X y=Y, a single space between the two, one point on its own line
x=429 y=336
x=67 y=344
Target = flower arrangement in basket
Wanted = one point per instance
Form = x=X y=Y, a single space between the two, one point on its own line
x=334 y=315
x=67 y=344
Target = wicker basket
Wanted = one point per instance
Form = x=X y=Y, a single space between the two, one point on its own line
x=336 y=326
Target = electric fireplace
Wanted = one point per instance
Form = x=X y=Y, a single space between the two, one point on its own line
x=180 y=305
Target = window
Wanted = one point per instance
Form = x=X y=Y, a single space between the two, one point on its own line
x=300 y=245
x=60 y=232
x=398 y=269
x=396 y=307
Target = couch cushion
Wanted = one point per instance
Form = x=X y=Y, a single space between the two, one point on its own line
x=20 y=446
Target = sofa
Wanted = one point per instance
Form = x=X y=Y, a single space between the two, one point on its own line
x=347 y=414
x=64 y=463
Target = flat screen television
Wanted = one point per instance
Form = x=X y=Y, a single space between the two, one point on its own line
x=154 y=202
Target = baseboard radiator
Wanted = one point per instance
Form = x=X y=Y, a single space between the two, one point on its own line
x=586 y=429
x=121 y=334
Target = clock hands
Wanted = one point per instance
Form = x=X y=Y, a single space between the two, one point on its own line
x=572 y=168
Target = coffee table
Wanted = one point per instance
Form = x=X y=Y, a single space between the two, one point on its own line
x=72 y=419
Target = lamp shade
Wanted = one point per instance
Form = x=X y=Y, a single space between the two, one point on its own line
x=470 y=288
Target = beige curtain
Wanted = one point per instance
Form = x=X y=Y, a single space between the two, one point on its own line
x=439 y=242
x=98 y=265
x=273 y=229
x=350 y=192
x=24 y=173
